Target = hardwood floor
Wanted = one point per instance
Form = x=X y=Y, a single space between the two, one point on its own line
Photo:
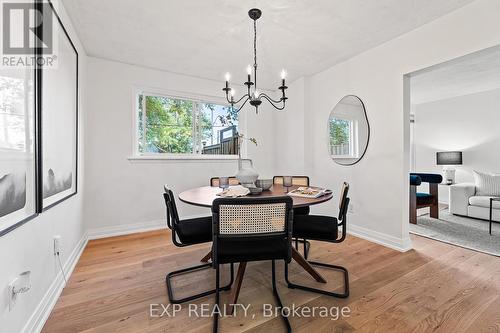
x=434 y=288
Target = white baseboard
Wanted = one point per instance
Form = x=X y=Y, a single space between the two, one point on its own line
x=392 y=242
x=125 y=229
x=49 y=300
x=42 y=311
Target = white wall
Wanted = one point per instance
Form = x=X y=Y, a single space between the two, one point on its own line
x=289 y=129
x=30 y=247
x=379 y=182
x=467 y=123
x=121 y=192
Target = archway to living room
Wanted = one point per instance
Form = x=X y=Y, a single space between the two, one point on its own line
x=451 y=120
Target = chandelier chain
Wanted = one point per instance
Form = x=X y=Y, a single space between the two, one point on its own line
x=255 y=51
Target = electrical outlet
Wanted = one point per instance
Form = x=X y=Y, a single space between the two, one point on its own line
x=57 y=244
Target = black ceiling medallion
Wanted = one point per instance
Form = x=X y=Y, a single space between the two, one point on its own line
x=253 y=95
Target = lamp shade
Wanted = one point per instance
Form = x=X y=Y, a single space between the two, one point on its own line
x=449 y=158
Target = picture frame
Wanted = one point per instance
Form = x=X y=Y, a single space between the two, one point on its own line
x=18 y=146
x=58 y=98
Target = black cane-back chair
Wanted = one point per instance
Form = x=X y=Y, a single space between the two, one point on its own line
x=184 y=233
x=252 y=229
x=323 y=228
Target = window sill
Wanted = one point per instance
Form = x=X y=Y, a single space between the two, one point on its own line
x=182 y=157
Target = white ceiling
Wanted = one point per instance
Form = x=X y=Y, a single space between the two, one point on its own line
x=206 y=38
x=467 y=75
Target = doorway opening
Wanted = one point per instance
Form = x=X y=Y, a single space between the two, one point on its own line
x=454 y=159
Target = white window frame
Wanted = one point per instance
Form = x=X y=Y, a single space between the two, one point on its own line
x=136 y=155
x=353 y=139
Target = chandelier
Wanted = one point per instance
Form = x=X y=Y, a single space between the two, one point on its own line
x=253 y=96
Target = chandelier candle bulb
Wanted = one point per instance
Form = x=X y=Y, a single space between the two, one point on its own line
x=283 y=74
x=249 y=75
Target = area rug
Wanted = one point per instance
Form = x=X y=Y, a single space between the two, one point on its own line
x=462 y=231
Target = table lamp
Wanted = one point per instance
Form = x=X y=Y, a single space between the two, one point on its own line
x=447 y=159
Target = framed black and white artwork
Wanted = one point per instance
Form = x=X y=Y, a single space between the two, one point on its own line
x=17 y=147
x=18 y=150
x=59 y=121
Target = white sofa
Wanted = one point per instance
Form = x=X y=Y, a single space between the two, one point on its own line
x=465 y=202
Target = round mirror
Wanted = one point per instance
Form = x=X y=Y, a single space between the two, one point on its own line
x=348 y=131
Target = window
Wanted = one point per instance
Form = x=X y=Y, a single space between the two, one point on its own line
x=342 y=138
x=168 y=125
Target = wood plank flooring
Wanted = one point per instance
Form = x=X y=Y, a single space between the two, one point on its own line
x=434 y=288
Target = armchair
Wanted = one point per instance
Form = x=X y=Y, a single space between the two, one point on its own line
x=420 y=199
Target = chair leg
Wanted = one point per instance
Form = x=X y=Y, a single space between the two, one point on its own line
x=277 y=297
x=413 y=204
x=345 y=294
x=307 y=246
x=170 y=275
x=434 y=207
x=216 y=310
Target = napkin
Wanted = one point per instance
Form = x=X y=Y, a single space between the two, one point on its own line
x=234 y=192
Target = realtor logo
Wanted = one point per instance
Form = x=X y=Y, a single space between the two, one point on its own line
x=27 y=28
x=27 y=36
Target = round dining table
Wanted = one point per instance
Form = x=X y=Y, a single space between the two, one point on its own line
x=204 y=197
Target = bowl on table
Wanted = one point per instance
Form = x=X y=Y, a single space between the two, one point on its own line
x=255 y=190
x=264 y=184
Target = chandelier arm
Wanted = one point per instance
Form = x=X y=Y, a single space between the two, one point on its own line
x=246 y=95
x=270 y=99
x=242 y=105
x=273 y=103
x=236 y=102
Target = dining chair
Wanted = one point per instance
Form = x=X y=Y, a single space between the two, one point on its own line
x=323 y=228
x=185 y=233
x=251 y=229
x=298 y=181
x=214 y=181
